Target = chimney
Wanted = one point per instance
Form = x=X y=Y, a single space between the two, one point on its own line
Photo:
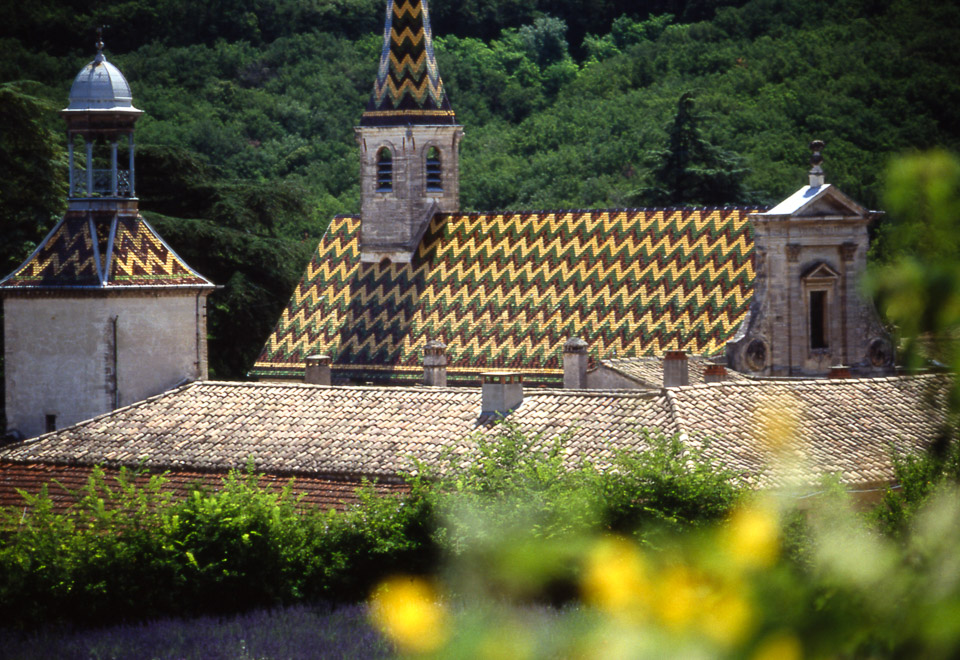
x=714 y=373
x=575 y=364
x=839 y=372
x=675 y=371
x=317 y=371
x=435 y=364
x=502 y=391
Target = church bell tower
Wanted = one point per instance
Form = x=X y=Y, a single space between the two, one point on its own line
x=409 y=140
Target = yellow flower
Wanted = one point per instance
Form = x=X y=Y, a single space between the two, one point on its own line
x=779 y=646
x=727 y=615
x=615 y=579
x=406 y=610
x=680 y=592
x=751 y=537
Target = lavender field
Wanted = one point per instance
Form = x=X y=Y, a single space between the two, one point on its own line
x=292 y=632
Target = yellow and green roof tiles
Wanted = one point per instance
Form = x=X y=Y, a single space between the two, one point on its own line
x=102 y=251
x=408 y=88
x=504 y=291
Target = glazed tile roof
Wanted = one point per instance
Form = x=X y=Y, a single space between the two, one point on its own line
x=102 y=251
x=649 y=370
x=506 y=290
x=774 y=432
x=408 y=89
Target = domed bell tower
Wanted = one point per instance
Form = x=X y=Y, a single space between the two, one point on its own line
x=100 y=119
x=409 y=140
x=103 y=313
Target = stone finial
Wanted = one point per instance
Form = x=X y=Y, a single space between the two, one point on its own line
x=675 y=369
x=575 y=364
x=502 y=391
x=99 y=58
x=816 y=161
x=317 y=370
x=435 y=364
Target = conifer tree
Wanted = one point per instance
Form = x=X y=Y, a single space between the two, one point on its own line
x=690 y=169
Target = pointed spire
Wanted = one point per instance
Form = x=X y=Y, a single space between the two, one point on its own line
x=408 y=89
x=816 y=160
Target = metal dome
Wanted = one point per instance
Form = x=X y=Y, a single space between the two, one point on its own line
x=101 y=86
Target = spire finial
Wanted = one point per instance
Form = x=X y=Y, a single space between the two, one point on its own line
x=816 y=160
x=99 y=58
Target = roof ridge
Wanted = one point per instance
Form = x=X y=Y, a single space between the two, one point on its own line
x=629 y=209
x=92 y=420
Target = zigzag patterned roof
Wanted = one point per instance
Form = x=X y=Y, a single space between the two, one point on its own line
x=505 y=291
x=102 y=251
x=408 y=89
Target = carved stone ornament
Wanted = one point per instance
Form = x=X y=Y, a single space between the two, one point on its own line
x=848 y=250
x=793 y=252
x=880 y=353
x=755 y=355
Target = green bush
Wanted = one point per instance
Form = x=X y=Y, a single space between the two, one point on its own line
x=129 y=550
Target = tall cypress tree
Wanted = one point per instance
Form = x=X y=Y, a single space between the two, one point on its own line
x=690 y=170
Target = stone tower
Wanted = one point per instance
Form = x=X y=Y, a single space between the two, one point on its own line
x=103 y=313
x=409 y=140
x=807 y=313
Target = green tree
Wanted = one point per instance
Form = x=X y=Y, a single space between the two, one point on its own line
x=33 y=187
x=691 y=170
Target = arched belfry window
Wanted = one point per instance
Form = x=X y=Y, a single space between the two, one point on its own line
x=434 y=178
x=384 y=170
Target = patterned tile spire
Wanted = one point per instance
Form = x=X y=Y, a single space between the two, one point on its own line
x=408 y=89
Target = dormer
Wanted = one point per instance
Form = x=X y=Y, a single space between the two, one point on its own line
x=807 y=313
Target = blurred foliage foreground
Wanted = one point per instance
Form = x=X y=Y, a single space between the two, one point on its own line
x=512 y=553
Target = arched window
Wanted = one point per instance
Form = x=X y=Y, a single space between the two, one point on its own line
x=384 y=170
x=434 y=178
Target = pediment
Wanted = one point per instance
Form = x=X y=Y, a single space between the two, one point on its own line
x=818 y=201
x=831 y=202
x=820 y=271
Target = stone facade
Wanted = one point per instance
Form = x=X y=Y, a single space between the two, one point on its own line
x=807 y=313
x=393 y=221
x=71 y=357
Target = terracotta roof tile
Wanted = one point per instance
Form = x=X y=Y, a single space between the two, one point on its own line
x=846 y=427
x=65 y=481
x=649 y=370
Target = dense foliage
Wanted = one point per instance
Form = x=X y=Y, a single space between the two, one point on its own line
x=130 y=551
x=662 y=551
x=250 y=108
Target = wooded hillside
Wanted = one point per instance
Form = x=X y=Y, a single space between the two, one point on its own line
x=247 y=149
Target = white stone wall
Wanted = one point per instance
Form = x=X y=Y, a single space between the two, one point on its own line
x=63 y=358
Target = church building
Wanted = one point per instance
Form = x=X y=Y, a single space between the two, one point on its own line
x=768 y=292
x=595 y=326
